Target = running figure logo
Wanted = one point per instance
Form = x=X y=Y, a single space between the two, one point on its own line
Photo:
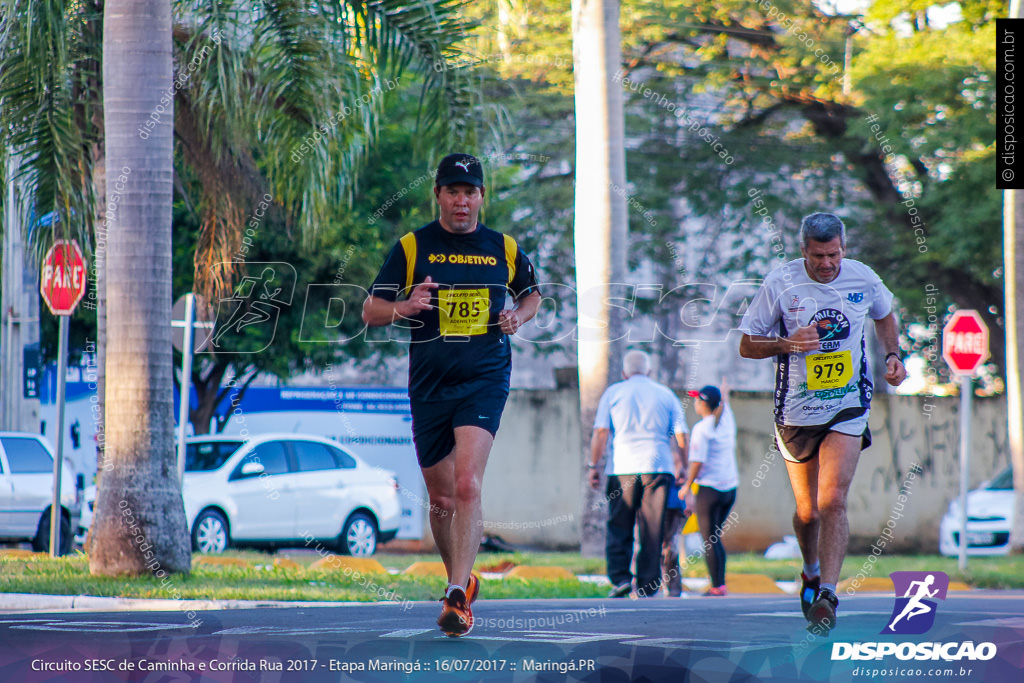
x=914 y=613
x=255 y=304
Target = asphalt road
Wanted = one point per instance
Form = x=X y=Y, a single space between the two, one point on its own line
x=737 y=638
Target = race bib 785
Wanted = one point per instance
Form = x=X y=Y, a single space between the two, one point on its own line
x=464 y=312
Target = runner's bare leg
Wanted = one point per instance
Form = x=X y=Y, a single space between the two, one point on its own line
x=837 y=458
x=472 y=446
x=803 y=477
x=440 y=481
x=454 y=485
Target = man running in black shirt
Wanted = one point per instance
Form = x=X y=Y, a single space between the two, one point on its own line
x=456 y=274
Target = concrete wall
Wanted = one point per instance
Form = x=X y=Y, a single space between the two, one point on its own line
x=534 y=480
x=533 y=492
x=907 y=431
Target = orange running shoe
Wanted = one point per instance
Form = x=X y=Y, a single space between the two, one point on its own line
x=456 y=615
x=473 y=589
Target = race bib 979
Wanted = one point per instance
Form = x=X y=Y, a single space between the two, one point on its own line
x=829 y=370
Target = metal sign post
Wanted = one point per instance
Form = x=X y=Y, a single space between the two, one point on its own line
x=186 y=382
x=62 y=285
x=58 y=463
x=185 y=339
x=966 y=393
x=965 y=348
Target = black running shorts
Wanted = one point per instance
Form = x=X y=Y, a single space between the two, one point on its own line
x=434 y=422
x=800 y=444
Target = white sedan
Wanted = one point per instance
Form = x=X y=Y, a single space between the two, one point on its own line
x=26 y=493
x=286 y=490
x=989 y=519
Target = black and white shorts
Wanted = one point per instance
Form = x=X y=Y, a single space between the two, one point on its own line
x=801 y=443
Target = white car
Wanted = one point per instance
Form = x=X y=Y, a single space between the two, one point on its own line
x=286 y=490
x=26 y=493
x=989 y=519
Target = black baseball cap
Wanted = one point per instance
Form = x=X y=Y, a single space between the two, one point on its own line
x=459 y=168
x=710 y=395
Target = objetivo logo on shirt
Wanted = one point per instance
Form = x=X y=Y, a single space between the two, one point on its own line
x=914 y=612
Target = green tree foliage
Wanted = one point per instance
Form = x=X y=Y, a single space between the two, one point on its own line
x=767 y=82
x=931 y=91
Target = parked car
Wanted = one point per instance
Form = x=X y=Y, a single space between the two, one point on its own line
x=286 y=490
x=989 y=519
x=26 y=493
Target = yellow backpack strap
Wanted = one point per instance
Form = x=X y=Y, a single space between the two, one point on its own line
x=510 y=257
x=408 y=242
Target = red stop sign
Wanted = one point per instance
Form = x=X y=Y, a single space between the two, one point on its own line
x=63 y=279
x=965 y=342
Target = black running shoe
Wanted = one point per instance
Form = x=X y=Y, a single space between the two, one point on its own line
x=808 y=592
x=621 y=591
x=822 y=615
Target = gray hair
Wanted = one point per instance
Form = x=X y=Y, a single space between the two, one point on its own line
x=822 y=227
x=636 y=363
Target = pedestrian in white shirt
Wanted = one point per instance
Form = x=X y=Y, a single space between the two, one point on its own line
x=644 y=422
x=712 y=465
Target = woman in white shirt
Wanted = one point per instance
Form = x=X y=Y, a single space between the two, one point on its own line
x=712 y=465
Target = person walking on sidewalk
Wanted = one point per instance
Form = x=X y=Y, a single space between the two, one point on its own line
x=644 y=422
x=713 y=467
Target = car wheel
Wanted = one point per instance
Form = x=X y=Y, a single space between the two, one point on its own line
x=210 y=533
x=359 y=537
x=41 y=543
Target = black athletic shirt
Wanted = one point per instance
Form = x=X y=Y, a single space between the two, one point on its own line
x=457 y=347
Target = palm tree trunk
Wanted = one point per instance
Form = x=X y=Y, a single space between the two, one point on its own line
x=600 y=222
x=99 y=284
x=140 y=520
x=1013 y=262
x=1013 y=282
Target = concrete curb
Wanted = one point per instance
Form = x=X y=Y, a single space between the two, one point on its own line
x=92 y=603
x=31 y=602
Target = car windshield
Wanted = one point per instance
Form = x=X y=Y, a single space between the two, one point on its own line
x=207 y=456
x=1002 y=481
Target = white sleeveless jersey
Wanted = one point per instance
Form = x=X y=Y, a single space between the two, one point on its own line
x=810 y=388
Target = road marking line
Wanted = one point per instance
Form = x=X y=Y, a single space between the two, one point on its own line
x=288 y=630
x=1008 y=622
x=101 y=626
x=558 y=637
x=690 y=643
x=842 y=613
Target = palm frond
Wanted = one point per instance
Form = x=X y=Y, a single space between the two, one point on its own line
x=48 y=95
x=285 y=97
x=423 y=36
